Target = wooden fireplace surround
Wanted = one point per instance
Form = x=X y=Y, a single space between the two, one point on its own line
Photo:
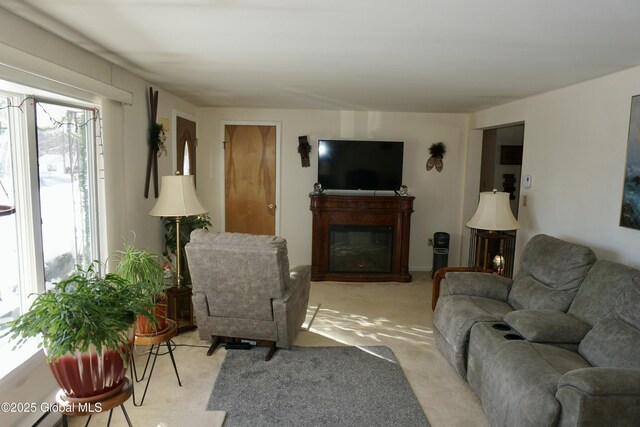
x=394 y=211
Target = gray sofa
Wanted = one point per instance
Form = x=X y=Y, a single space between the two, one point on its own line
x=243 y=288
x=535 y=366
x=550 y=274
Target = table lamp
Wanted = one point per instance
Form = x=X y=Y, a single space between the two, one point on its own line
x=493 y=215
x=178 y=199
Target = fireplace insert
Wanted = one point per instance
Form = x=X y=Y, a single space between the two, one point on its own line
x=360 y=248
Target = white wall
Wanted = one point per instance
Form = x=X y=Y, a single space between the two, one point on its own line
x=437 y=206
x=574 y=148
x=129 y=166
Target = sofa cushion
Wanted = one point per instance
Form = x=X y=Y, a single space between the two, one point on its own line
x=547 y=326
x=550 y=274
x=530 y=294
x=612 y=344
x=615 y=342
x=603 y=284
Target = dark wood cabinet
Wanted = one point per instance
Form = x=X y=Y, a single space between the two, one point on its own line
x=180 y=307
x=361 y=238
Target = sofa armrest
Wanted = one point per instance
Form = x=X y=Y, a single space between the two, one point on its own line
x=298 y=276
x=603 y=381
x=440 y=274
x=473 y=283
x=547 y=326
x=290 y=311
x=599 y=396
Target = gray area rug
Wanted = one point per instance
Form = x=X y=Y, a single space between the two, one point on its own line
x=315 y=386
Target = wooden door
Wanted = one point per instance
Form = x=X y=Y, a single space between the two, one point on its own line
x=250 y=178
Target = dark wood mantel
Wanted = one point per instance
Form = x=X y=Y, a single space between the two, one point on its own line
x=392 y=211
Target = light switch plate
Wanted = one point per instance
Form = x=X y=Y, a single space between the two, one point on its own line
x=526 y=181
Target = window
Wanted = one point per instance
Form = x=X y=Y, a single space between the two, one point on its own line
x=48 y=200
x=67 y=188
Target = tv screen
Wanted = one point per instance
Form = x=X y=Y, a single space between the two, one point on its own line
x=360 y=165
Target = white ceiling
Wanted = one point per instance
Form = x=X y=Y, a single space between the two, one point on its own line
x=377 y=55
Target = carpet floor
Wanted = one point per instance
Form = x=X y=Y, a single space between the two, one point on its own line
x=315 y=386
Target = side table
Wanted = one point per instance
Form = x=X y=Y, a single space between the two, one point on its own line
x=180 y=307
x=488 y=245
x=154 y=340
x=71 y=407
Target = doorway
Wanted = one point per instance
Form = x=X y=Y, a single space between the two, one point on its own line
x=501 y=168
x=251 y=178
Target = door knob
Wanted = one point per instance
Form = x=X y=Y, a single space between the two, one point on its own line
x=271 y=206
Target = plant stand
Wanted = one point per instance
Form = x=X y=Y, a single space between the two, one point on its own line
x=71 y=407
x=156 y=341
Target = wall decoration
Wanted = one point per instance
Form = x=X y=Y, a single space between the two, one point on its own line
x=511 y=154
x=304 y=149
x=630 y=213
x=156 y=141
x=437 y=151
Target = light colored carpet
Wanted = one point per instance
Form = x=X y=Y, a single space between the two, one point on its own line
x=395 y=315
x=315 y=386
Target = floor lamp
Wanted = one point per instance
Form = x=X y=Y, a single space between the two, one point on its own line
x=178 y=199
x=492 y=216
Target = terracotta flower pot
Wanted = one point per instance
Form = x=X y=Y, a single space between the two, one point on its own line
x=92 y=373
x=145 y=327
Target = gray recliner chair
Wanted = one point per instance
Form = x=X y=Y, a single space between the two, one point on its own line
x=243 y=289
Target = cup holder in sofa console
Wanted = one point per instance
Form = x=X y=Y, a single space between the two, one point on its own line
x=513 y=337
x=500 y=326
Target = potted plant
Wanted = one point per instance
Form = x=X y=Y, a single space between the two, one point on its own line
x=187 y=225
x=86 y=325
x=144 y=270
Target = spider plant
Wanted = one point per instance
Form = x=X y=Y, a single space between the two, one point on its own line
x=142 y=269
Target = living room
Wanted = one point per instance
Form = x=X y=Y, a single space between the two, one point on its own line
x=575 y=146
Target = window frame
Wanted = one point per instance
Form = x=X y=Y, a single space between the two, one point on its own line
x=92 y=172
x=26 y=189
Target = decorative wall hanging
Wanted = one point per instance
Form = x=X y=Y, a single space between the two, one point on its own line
x=630 y=213
x=156 y=141
x=437 y=152
x=304 y=149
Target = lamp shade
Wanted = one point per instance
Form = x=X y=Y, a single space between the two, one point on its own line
x=178 y=198
x=493 y=213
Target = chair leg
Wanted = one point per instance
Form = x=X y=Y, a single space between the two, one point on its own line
x=214 y=344
x=272 y=350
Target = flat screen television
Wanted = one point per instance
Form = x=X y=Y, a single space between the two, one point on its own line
x=360 y=165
